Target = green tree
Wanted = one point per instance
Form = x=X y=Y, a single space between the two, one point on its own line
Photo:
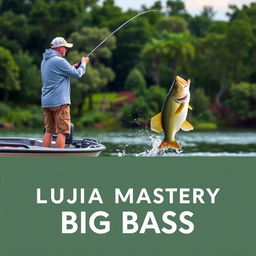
x=136 y=82
x=49 y=19
x=130 y=39
x=174 y=48
x=98 y=74
x=130 y=42
x=213 y=48
x=242 y=100
x=240 y=31
x=181 y=52
x=9 y=73
x=227 y=52
x=155 y=51
x=247 y=12
x=136 y=114
x=30 y=82
x=218 y=27
x=90 y=3
x=108 y=15
x=18 y=7
x=145 y=107
x=154 y=17
x=14 y=31
x=200 y=103
x=176 y=6
x=201 y=24
x=155 y=97
x=173 y=24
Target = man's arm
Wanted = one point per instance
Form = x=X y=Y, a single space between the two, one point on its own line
x=69 y=71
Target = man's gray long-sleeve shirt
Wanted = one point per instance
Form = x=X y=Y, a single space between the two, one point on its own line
x=56 y=73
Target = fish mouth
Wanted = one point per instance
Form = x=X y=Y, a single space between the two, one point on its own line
x=183 y=98
x=182 y=82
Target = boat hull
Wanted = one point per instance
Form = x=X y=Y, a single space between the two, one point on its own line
x=87 y=154
x=33 y=147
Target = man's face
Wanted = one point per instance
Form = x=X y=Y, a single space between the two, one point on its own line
x=63 y=51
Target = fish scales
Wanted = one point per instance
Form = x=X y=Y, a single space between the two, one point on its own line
x=174 y=112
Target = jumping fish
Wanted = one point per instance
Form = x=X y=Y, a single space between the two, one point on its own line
x=174 y=112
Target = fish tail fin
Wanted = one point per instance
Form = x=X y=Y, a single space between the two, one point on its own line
x=173 y=144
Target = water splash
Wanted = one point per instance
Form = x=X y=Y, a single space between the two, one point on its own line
x=150 y=146
x=155 y=141
x=121 y=153
x=154 y=151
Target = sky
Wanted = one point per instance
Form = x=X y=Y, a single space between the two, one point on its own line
x=192 y=6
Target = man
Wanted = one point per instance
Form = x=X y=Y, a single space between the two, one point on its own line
x=56 y=73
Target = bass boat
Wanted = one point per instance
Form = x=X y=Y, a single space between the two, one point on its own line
x=15 y=146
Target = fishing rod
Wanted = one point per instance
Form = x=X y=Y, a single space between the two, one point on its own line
x=128 y=21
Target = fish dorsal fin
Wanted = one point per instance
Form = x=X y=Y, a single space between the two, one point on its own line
x=186 y=126
x=156 y=123
x=180 y=108
x=190 y=107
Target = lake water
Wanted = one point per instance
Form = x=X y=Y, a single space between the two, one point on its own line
x=144 y=143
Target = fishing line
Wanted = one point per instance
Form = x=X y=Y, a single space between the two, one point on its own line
x=128 y=21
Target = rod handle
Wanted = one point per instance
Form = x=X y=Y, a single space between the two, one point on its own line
x=78 y=65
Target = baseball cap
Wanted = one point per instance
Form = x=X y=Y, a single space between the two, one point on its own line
x=60 y=41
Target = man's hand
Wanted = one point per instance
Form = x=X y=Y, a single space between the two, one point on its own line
x=85 y=60
x=75 y=65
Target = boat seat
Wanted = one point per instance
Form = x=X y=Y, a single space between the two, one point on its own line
x=69 y=136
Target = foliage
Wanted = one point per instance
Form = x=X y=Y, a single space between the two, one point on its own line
x=176 y=6
x=4 y=110
x=155 y=97
x=205 y=126
x=9 y=73
x=216 y=55
x=135 y=82
x=202 y=23
x=18 y=7
x=21 y=117
x=97 y=73
x=220 y=49
x=175 y=51
x=200 y=104
x=137 y=113
x=242 y=100
x=30 y=82
x=182 y=52
x=91 y=118
x=173 y=24
x=14 y=31
x=140 y=112
x=154 y=51
x=130 y=42
x=200 y=26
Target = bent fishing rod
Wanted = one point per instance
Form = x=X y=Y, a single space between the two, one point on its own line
x=128 y=21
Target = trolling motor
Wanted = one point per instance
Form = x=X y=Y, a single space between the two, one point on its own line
x=92 y=51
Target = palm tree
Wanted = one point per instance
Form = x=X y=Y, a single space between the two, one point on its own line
x=156 y=50
x=180 y=50
x=176 y=48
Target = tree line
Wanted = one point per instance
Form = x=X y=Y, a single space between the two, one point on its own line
x=145 y=56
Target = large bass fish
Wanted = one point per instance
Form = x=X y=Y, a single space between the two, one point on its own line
x=174 y=114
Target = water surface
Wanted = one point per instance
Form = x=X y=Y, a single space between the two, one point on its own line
x=144 y=142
